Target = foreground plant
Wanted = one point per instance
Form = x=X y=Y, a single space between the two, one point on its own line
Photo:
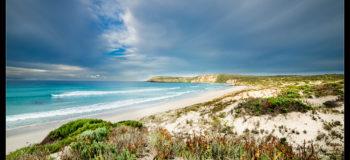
x=123 y=142
x=218 y=146
x=57 y=139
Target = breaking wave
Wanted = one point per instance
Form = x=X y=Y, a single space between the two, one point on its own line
x=88 y=108
x=94 y=93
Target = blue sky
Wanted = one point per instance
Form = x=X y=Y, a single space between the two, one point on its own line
x=134 y=40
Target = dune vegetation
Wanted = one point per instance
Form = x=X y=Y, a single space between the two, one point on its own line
x=301 y=111
x=68 y=134
x=97 y=139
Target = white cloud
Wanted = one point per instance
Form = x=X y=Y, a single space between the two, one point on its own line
x=106 y=8
x=112 y=12
x=67 y=67
x=94 y=76
x=48 y=71
x=47 y=66
x=16 y=70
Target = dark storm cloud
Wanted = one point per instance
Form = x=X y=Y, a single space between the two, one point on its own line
x=138 y=39
x=245 y=35
x=52 y=32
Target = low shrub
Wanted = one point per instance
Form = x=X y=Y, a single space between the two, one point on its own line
x=214 y=146
x=163 y=144
x=329 y=125
x=291 y=93
x=320 y=136
x=76 y=127
x=329 y=89
x=283 y=140
x=94 y=135
x=129 y=123
x=321 y=90
x=330 y=104
x=272 y=105
x=87 y=150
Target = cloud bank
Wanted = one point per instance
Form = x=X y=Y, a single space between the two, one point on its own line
x=133 y=40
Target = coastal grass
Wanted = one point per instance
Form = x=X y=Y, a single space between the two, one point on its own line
x=215 y=146
x=291 y=93
x=321 y=90
x=271 y=106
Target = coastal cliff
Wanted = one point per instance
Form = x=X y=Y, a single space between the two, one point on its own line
x=197 y=79
x=239 y=80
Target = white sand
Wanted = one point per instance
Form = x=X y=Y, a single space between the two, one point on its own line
x=24 y=136
x=208 y=96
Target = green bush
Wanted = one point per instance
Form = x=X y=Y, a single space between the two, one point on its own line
x=126 y=155
x=129 y=123
x=272 y=105
x=330 y=104
x=76 y=127
x=291 y=93
x=283 y=140
x=95 y=135
x=89 y=134
x=101 y=133
x=87 y=150
x=285 y=110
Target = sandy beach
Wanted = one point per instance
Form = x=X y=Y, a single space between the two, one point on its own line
x=20 y=137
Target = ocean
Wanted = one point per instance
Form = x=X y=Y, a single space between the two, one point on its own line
x=30 y=102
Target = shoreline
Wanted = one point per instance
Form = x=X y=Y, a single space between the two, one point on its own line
x=17 y=138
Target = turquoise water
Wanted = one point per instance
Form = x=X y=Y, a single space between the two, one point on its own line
x=32 y=102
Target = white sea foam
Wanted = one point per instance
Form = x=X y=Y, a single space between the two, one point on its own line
x=93 y=93
x=88 y=108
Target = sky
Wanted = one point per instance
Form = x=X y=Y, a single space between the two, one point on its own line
x=138 y=39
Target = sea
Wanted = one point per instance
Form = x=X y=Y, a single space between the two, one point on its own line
x=31 y=102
